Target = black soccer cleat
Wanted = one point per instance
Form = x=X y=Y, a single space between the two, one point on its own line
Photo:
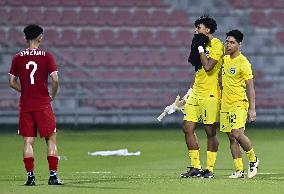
x=192 y=172
x=30 y=181
x=207 y=174
x=54 y=180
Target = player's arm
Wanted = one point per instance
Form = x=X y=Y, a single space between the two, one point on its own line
x=207 y=63
x=251 y=99
x=14 y=83
x=54 y=85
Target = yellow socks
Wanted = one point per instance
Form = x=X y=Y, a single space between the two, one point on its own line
x=195 y=161
x=239 y=164
x=251 y=155
x=194 y=158
x=211 y=159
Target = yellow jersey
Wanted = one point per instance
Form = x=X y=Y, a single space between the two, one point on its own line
x=234 y=74
x=206 y=83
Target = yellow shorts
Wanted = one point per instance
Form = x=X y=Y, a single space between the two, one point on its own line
x=234 y=116
x=205 y=110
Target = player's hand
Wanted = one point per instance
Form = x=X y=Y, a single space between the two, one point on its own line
x=194 y=57
x=51 y=98
x=251 y=115
x=179 y=104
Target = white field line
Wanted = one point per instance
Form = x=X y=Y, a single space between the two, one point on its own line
x=268 y=173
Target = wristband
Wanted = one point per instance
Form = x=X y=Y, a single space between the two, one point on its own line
x=200 y=49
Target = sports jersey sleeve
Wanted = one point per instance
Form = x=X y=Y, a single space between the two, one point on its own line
x=51 y=64
x=247 y=71
x=13 y=70
x=217 y=51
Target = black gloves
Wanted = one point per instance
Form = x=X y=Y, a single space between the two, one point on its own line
x=201 y=39
x=194 y=58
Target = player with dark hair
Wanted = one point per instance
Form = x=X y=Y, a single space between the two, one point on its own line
x=236 y=107
x=203 y=103
x=32 y=67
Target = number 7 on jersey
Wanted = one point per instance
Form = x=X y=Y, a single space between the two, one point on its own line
x=33 y=71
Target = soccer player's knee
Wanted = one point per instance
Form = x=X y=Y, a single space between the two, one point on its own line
x=237 y=134
x=232 y=138
x=51 y=137
x=184 y=129
x=29 y=140
x=187 y=129
x=210 y=131
x=211 y=134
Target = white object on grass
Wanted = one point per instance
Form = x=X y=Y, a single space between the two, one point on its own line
x=120 y=152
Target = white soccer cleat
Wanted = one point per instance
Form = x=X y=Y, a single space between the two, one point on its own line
x=253 y=167
x=237 y=174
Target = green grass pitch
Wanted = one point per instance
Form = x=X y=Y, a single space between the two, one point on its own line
x=156 y=170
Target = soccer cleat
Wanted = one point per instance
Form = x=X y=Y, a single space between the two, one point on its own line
x=237 y=174
x=30 y=181
x=253 y=167
x=54 y=180
x=192 y=172
x=207 y=174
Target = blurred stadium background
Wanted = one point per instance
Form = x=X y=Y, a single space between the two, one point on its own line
x=122 y=61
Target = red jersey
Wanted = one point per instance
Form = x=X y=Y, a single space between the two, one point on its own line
x=32 y=67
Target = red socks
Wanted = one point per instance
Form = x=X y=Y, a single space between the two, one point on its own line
x=53 y=162
x=29 y=164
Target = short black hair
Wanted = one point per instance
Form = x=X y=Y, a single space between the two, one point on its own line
x=207 y=22
x=238 y=35
x=32 y=31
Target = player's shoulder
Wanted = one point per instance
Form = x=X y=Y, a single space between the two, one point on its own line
x=216 y=42
x=243 y=59
x=17 y=57
x=18 y=54
x=217 y=45
x=47 y=52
